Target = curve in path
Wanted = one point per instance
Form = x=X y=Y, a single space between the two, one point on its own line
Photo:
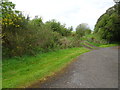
x=95 y=69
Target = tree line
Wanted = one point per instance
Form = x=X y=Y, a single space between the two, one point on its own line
x=108 y=25
x=22 y=36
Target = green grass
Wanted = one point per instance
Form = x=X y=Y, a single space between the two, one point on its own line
x=103 y=45
x=108 y=45
x=95 y=44
x=23 y=71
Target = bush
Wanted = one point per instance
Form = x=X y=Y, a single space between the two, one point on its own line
x=76 y=42
x=30 y=40
x=22 y=36
x=64 y=42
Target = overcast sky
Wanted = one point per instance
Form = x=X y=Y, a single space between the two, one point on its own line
x=70 y=12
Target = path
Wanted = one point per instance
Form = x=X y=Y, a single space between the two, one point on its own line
x=95 y=69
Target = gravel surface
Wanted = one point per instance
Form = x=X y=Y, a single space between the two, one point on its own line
x=95 y=69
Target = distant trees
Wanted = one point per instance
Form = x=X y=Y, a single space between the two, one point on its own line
x=82 y=30
x=58 y=27
x=36 y=21
x=87 y=31
x=108 y=25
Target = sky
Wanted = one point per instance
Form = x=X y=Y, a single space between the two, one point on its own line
x=69 y=12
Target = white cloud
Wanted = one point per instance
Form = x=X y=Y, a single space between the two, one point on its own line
x=70 y=12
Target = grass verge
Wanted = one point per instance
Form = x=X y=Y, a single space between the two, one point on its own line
x=103 y=45
x=23 y=71
x=108 y=45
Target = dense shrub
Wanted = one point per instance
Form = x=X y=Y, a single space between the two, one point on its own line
x=69 y=43
x=22 y=36
x=35 y=38
x=76 y=42
x=64 y=42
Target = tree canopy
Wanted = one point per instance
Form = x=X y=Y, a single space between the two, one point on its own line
x=108 y=25
x=83 y=29
x=58 y=27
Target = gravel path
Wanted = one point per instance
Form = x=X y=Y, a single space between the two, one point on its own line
x=95 y=69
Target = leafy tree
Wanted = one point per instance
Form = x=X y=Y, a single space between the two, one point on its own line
x=37 y=21
x=81 y=28
x=9 y=15
x=87 y=31
x=69 y=31
x=58 y=27
x=108 y=25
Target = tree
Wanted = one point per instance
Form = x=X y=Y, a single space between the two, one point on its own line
x=81 y=28
x=37 y=21
x=87 y=31
x=108 y=25
x=69 y=31
x=58 y=27
x=9 y=15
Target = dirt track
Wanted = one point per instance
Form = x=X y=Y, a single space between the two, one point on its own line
x=95 y=69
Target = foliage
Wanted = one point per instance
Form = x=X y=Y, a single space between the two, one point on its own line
x=108 y=25
x=23 y=71
x=82 y=29
x=22 y=36
x=87 y=31
x=58 y=27
x=64 y=42
x=12 y=23
x=10 y=17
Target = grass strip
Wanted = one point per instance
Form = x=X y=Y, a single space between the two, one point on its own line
x=23 y=71
x=103 y=45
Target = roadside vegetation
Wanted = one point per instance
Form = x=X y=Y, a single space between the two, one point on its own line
x=108 y=25
x=33 y=49
x=23 y=71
